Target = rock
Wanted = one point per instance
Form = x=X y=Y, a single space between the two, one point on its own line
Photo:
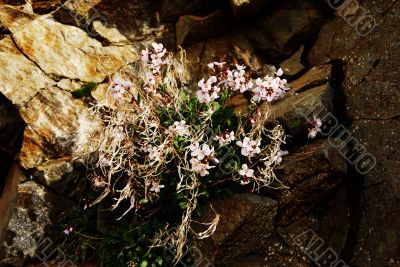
x=110 y=34
x=63 y=175
x=378 y=233
x=312 y=173
x=17 y=70
x=292 y=65
x=8 y=194
x=57 y=126
x=35 y=220
x=69 y=85
x=287 y=28
x=314 y=77
x=67 y=52
x=234 y=48
x=246 y=222
x=44 y=7
x=191 y=29
x=77 y=13
x=13 y=18
x=11 y=128
x=170 y=10
x=244 y=8
x=295 y=112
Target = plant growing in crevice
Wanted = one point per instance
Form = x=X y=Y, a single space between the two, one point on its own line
x=165 y=150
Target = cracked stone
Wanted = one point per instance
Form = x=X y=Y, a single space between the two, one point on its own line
x=17 y=70
x=57 y=126
x=63 y=51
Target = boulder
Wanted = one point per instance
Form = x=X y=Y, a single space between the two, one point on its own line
x=35 y=220
x=171 y=10
x=246 y=222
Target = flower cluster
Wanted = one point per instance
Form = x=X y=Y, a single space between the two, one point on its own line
x=154 y=153
x=209 y=90
x=316 y=124
x=178 y=128
x=201 y=156
x=225 y=139
x=249 y=147
x=238 y=80
x=154 y=61
x=269 y=88
x=118 y=87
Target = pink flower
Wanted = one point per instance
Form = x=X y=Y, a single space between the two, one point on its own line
x=225 y=139
x=245 y=171
x=316 y=124
x=178 y=128
x=201 y=152
x=156 y=186
x=249 y=147
x=69 y=229
x=277 y=158
x=199 y=167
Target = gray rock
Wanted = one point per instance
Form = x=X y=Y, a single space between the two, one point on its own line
x=34 y=220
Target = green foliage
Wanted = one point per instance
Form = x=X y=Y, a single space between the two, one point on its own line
x=84 y=90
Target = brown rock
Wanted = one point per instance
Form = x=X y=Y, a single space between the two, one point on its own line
x=245 y=224
x=77 y=13
x=244 y=8
x=8 y=194
x=311 y=173
x=36 y=216
x=170 y=10
x=292 y=24
x=191 y=29
x=295 y=112
x=314 y=77
x=292 y=65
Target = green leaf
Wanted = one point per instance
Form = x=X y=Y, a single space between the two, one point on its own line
x=84 y=90
x=144 y=264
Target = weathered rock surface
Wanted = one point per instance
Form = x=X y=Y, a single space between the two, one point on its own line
x=77 y=13
x=35 y=217
x=289 y=26
x=246 y=222
x=191 y=29
x=292 y=65
x=67 y=52
x=295 y=112
x=57 y=126
x=171 y=10
x=13 y=18
x=314 y=77
x=312 y=172
x=370 y=88
x=17 y=70
x=8 y=194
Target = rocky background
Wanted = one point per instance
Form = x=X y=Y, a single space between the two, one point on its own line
x=48 y=49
